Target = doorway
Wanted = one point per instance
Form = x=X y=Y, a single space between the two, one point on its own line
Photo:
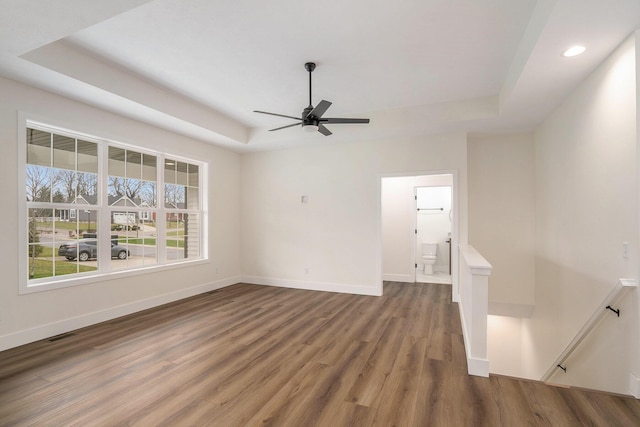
x=401 y=249
x=434 y=220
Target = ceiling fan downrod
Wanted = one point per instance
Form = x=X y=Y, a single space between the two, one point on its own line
x=310 y=66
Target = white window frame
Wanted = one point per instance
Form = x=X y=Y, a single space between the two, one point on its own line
x=106 y=268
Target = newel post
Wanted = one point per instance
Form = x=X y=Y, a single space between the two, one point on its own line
x=474 y=308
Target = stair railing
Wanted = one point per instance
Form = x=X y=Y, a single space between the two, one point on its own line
x=606 y=307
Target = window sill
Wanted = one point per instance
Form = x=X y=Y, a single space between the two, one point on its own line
x=103 y=277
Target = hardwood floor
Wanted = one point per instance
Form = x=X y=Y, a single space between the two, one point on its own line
x=252 y=355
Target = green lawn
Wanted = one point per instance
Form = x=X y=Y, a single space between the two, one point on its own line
x=149 y=241
x=63 y=225
x=175 y=243
x=46 y=252
x=44 y=268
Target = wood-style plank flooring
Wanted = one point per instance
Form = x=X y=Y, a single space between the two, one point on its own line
x=251 y=355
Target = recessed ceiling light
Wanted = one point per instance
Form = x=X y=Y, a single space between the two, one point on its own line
x=574 y=50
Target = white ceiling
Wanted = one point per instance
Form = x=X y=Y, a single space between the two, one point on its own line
x=200 y=67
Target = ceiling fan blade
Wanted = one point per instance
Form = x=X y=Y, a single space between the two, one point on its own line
x=279 y=115
x=284 y=127
x=323 y=130
x=342 y=120
x=320 y=109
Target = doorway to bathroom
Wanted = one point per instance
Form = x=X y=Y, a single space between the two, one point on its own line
x=404 y=229
x=434 y=220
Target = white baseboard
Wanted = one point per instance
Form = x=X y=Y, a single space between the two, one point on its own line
x=37 y=333
x=634 y=386
x=314 y=286
x=397 y=278
x=478 y=367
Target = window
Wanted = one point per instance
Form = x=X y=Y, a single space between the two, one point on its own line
x=132 y=184
x=182 y=205
x=92 y=208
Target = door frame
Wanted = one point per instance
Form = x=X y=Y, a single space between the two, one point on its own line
x=455 y=226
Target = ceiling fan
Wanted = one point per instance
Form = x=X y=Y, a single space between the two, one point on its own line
x=311 y=119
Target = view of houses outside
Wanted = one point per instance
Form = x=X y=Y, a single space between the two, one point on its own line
x=63 y=206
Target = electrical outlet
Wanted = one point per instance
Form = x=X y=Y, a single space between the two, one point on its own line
x=625 y=249
x=306 y=270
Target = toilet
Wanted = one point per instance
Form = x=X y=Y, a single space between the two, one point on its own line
x=429 y=252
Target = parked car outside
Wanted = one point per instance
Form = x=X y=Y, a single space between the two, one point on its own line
x=88 y=249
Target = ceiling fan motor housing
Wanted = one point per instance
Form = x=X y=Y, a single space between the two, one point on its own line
x=308 y=120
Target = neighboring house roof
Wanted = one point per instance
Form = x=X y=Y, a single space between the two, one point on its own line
x=123 y=201
x=171 y=205
x=87 y=199
x=91 y=199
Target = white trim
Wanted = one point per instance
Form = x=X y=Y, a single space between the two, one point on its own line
x=51 y=329
x=455 y=226
x=378 y=258
x=104 y=211
x=476 y=262
x=92 y=277
x=634 y=386
x=313 y=286
x=23 y=223
x=475 y=366
x=406 y=278
x=413 y=265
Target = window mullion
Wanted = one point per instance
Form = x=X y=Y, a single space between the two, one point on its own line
x=104 y=229
x=161 y=220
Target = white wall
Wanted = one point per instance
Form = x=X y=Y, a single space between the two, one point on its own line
x=38 y=315
x=337 y=235
x=586 y=207
x=397 y=228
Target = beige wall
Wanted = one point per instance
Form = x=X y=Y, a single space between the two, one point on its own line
x=502 y=229
x=502 y=213
x=586 y=207
x=41 y=314
x=334 y=241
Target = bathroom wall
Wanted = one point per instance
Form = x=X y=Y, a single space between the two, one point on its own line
x=434 y=225
x=399 y=222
